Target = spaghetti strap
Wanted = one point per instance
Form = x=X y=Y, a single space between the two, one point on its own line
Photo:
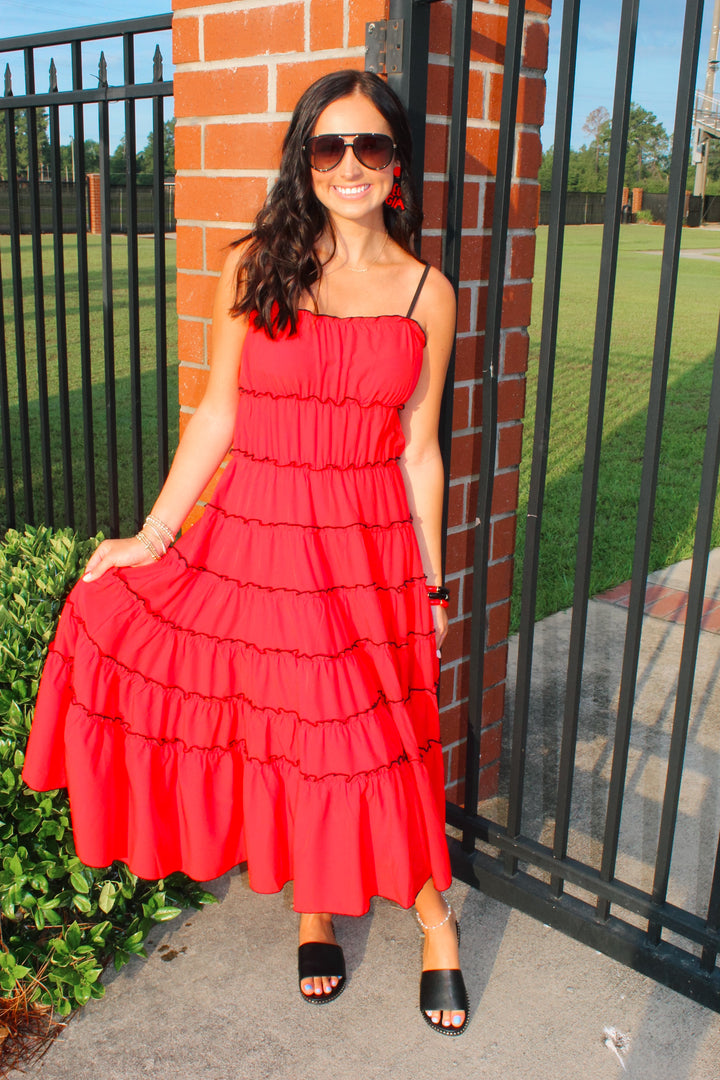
x=415 y=298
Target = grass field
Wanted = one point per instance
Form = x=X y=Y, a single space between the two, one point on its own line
x=633 y=333
x=122 y=368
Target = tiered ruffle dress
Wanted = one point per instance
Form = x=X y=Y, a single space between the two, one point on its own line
x=267 y=691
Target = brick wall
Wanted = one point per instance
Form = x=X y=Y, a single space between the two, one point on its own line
x=240 y=68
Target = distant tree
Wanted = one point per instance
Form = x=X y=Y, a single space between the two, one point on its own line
x=581 y=171
x=545 y=171
x=92 y=159
x=92 y=156
x=587 y=171
x=648 y=150
x=647 y=159
x=117 y=163
x=146 y=156
x=598 y=126
x=21 y=143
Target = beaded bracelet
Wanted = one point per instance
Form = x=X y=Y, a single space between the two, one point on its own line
x=150 y=520
x=156 y=532
x=147 y=544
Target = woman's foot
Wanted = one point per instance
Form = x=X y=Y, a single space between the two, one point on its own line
x=440 y=951
x=318 y=929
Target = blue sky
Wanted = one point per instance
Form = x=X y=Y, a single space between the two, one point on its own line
x=39 y=16
x=657 y=60
x=654 y=85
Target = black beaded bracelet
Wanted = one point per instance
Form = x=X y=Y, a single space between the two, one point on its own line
x=438 y=592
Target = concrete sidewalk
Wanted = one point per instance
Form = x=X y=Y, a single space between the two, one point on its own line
x=217 y=999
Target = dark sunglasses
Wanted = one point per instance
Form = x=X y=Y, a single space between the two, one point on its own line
x=325 y=152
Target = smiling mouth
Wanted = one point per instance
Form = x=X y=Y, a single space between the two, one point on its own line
x=359 y=189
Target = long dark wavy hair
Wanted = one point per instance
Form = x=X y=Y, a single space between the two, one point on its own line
x=279 y=263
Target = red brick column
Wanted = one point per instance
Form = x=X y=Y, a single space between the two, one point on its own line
x=94 y=204
x=239 y=72
x=637 y=199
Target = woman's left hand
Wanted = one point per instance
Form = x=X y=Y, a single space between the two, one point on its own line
x=440 y=619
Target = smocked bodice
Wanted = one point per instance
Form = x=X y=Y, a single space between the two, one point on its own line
x=329 y=395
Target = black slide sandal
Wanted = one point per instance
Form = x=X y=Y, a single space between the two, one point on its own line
x=444 y=991
x=317 y=959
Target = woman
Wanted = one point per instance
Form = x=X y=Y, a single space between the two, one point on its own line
x=264 y=690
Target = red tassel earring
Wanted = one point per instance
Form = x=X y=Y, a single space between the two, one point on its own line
x=395 y=199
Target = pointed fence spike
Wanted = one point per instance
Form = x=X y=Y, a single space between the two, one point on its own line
x=8 y=81
x=102 y=70
x=157 y=65
x=53 y=77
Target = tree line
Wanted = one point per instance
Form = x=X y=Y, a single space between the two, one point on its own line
x=143 y=159
x=647 y=162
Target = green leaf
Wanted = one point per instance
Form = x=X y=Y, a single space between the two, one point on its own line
x=79 y=883
x=73 y=936
x=82 y=994
x=66 y=975
x=120 y=959
x=107 y=896
x=15 y=865
x=165 y=913
x=49 y=902
x=202 y=896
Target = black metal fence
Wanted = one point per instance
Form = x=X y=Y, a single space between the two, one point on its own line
x=711 y=208
x=581 y=208
x=85 y=322
x=588 y=208
x=119 y=221
x=518 y=853
x=120 y=210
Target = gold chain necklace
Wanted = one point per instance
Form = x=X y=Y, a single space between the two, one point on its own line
x=364 y=269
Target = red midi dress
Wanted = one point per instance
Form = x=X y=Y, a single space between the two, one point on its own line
x=266 y=692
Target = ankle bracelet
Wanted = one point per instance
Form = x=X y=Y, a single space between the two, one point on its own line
x=437 y=926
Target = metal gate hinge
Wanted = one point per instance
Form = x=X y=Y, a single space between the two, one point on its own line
x=384 y=46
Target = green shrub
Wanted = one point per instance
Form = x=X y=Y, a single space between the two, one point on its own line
x=644 y=217
x=61 y=921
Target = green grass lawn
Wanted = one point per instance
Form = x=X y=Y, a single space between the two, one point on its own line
x=633 y=333
x=122 y=369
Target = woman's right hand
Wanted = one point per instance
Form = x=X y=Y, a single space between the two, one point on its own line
x=128 y=552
